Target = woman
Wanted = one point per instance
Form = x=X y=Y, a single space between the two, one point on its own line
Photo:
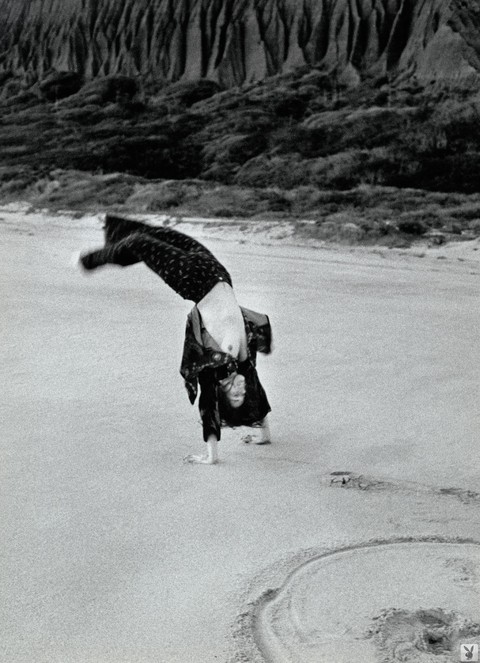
x=221 y=339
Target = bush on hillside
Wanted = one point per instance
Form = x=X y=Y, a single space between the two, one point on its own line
x=60 y=84
x=188 y=93
x=412 y=227
x=109 y=89
x=299 y=129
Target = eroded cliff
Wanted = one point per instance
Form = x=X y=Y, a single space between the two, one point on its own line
x=236 y=41
x=338 y=93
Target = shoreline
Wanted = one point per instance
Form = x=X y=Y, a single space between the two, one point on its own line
x=280 y=234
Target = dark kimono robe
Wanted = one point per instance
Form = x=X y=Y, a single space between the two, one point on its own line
x=206 y=366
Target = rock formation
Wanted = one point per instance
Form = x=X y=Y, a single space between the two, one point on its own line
x=237 y=41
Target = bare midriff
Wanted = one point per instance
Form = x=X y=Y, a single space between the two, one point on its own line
x=223 y=320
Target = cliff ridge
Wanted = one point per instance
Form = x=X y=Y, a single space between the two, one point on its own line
x=238 y=41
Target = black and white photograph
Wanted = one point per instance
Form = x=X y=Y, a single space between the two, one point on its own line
x=239 y=357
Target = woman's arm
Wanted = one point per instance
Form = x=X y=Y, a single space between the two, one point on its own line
x=208 y=405
x=209 y=458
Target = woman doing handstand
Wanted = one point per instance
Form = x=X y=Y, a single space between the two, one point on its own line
x=221 y=339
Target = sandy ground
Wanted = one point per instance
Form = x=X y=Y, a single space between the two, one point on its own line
x=114 y=551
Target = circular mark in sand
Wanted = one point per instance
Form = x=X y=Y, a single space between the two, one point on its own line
x=402 y=601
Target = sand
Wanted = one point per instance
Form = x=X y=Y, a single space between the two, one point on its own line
x=114 y=551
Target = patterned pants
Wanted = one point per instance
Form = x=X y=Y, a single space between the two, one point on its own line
x=184 y=264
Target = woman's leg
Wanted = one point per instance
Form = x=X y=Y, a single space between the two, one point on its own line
x=189 y=274
x=117 y=228
x=119 y=253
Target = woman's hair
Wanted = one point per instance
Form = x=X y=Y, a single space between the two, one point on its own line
x=253 y=409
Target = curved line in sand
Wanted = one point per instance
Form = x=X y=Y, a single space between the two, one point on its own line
x=271 y=594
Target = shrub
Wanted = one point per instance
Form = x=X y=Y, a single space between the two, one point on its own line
x=60 y=84
x=285 y=171
x=412 y=227
x=278 y=202
x=453 y=227
x=187 y=93
x=116 y=89
x=474 y=226
x=288 y=105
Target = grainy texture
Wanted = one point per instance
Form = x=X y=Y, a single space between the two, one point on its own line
x=113 y=551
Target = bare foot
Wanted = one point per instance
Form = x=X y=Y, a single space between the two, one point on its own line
x=265 y=436
x=251 y=439
x=202 y=460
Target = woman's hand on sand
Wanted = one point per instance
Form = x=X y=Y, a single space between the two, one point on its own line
x=210 y=458
x=202 y=460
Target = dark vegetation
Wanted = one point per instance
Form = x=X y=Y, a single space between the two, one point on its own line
x=300 y=144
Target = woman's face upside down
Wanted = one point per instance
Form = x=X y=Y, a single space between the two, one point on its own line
x=234 y=389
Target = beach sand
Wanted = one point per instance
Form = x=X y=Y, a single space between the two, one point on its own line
x=356 y=534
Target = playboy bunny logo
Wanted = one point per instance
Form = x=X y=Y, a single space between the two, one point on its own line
x=469 y=653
